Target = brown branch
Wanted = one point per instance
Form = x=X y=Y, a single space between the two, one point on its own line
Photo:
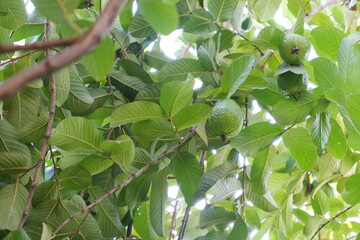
x=333 y=218
x=129 y=229
x=173 y=221
x=262 y=57
x=320 y=8
x=55 y=173
x=19 y=57
x=126 y=181
x=80 y=225
x=202 y=160
x=46 y=138
x=39 y=45
x=184 y=222
x=85 y=43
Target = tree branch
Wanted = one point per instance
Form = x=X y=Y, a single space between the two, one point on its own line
x=39 y=45
x=126 y=181
x=173 y=220
x=18 y=57
x=84 y=44
x=184 y=222
x=320 y=8
x=46 y=138
x=336 y=216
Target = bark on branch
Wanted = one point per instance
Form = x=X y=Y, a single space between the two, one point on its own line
x=126 y=181
x=84 y=44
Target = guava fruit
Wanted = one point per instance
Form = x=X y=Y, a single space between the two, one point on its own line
x=294 y=48
x=226 y=119
x=292 y=83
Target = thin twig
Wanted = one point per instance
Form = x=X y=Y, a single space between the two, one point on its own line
x=77 y=230
x=19 y=57
x=46 y=138
x=173 y=221
x=129 y=229
x=27 y=171
x=303 y=7
x=266 y=61
x=186 y=50
x=83 y=44
x=126 y=181
x=202 y=160
x=262 y=57
x=184 y=222
x=39 y=45
x=333 y=218
x=320 y=8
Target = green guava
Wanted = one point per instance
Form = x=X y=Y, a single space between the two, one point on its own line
x=292 y=83
x=226 y=118
x=294 y=48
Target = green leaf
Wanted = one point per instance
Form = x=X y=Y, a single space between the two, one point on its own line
x=46 y=232
x=201 y=22
x=214 y=216
x=17 y=234
x=264 y=202
x=135 y=70
x=154 y=129
x=156 y=59
x=327 y=41
x=252 y=216
x=349 y=59
x=261 y=169
x=150 y=93
x=188 y=173
x=57 y=11
x=175 y=96
x=191 y=115
x=162 y=17
x=301 y=147
x=266 y=9
x=23 y=107
x=107 y=214
x=12 y=14
x=99 y=61
x=213 y=235
x=136 y=192
x=158 y=199
x=34 y=130
x=239 y=231
x=95 y=164
x=140 y=28
x=5 y=39
x=320 y=129
x=222 y=9
x=45 y=191
x=269 y=37
x=62 y=82
x=226 y=188
x=320 y=203
x=291 y=111
x=213 y=175
x=13 y=163
x=9 y=140
x=76 y=133
x=121 y=151
x=336 y=144
x=352 y=189
x=236 y=74
x=179 y=70
x=12 y=203
x=33 y=26
x=134 y=112
x=326 y=74
x=75 y=178
x=256 y=137
x=79 y=98
x=142 y=222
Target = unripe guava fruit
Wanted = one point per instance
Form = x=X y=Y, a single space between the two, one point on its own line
x=226 y=118
x=292 y=83
x=294 y=48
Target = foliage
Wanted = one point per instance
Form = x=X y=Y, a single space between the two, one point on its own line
x=131 y=153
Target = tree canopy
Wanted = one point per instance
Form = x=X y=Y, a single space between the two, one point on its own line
x=105 y=108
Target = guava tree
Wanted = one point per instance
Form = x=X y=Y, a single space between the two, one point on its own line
x=103 y=135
